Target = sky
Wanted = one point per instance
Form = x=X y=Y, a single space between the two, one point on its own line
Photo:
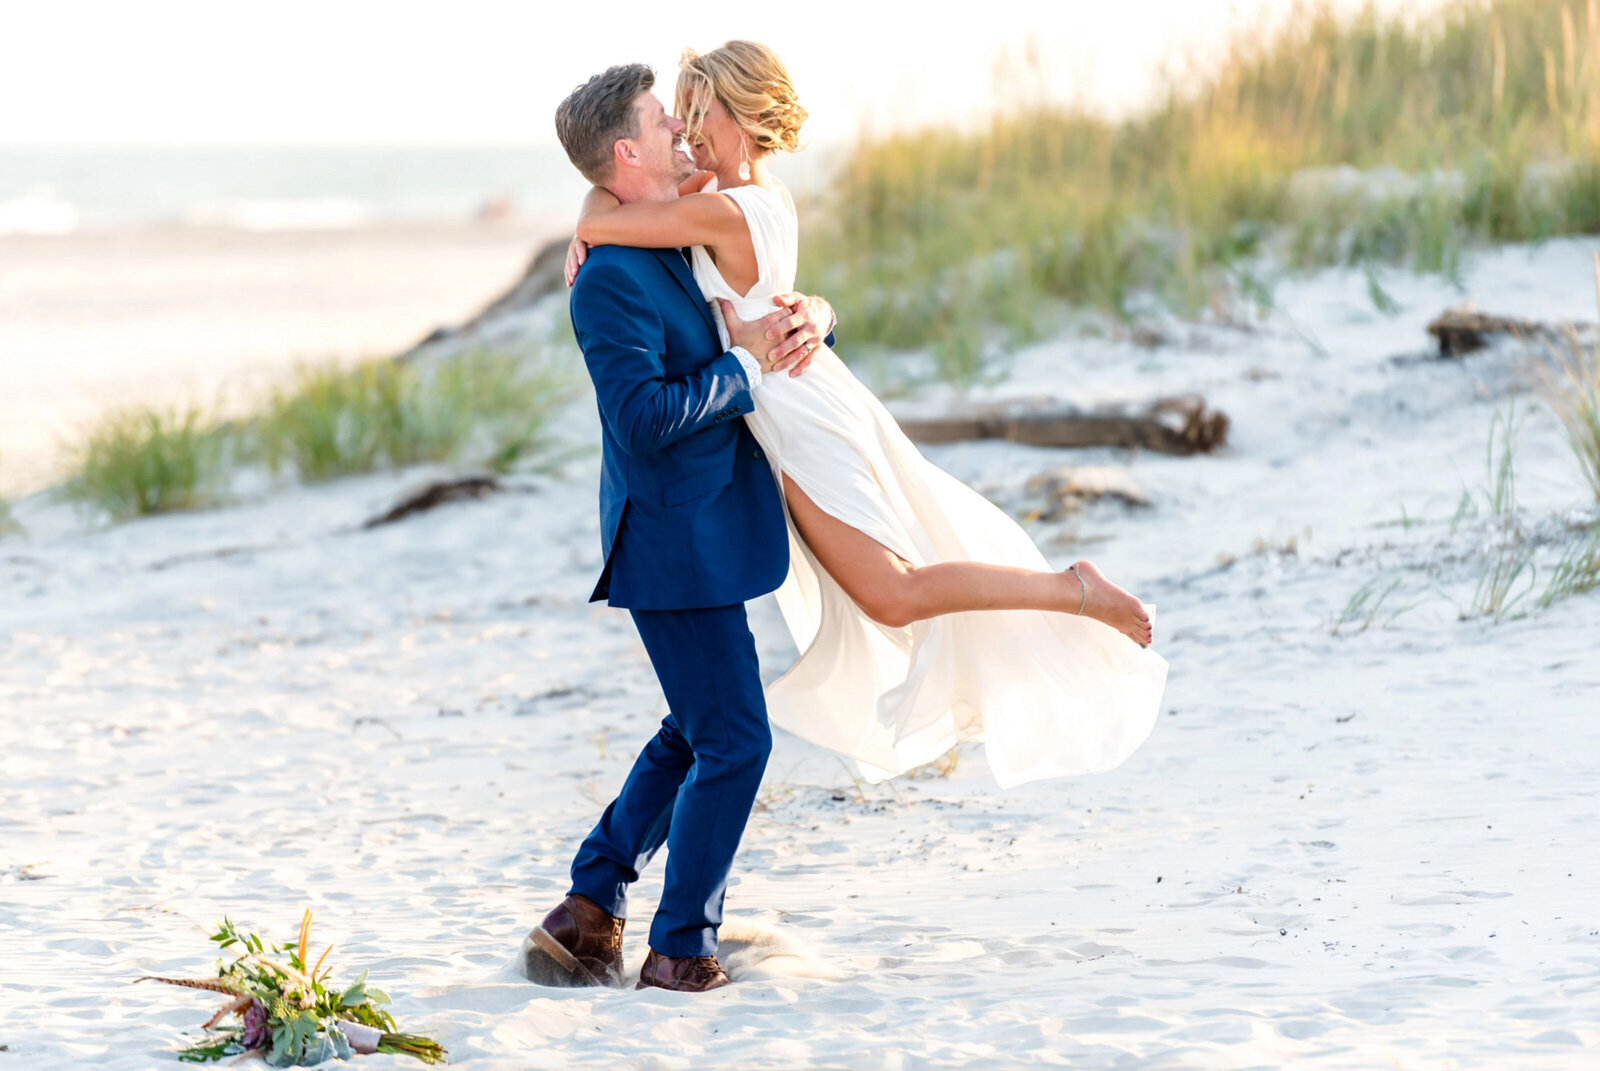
x=361 y=72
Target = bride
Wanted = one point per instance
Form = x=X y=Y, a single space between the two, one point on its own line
x=891 y=558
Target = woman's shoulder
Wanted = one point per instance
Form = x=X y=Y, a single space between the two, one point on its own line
x=772 y=196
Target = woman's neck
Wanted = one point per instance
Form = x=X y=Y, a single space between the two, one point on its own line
x=728 y=175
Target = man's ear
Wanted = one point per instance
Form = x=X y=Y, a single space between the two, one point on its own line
x=625 y=153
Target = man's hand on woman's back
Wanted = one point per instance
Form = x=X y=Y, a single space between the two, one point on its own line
x=785 y=339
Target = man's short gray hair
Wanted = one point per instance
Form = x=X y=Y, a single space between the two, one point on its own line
x=597 y=113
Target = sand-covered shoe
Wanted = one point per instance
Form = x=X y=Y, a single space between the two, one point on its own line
x=691 y=974
x=583 y=940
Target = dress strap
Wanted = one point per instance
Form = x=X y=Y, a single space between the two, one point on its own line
x=773 y=230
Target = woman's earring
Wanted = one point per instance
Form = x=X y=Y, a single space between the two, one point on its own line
x=744 y=160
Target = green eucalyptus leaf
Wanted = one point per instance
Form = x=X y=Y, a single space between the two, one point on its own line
x=283 y=1041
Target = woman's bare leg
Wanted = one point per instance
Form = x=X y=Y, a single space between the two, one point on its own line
x=893 y=592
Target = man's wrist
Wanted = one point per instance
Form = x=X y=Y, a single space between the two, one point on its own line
x=751 y=366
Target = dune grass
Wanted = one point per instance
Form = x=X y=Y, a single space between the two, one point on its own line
x=481 y=408
x=491 y=409
x=1578 y=570
x=1575 y=396
x=1512 y=559
x=1511 y=573
x=1484 y=116
x=328 y=421
x=139 y=460
x=1361 y=610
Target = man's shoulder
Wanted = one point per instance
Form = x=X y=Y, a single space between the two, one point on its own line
x=610 y=267
x=620 y=257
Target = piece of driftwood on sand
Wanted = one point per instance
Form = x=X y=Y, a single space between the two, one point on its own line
x=1461 y=330
x=434 y=495
x=1183 y=425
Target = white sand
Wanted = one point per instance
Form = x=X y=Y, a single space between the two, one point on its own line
x=1371 y=849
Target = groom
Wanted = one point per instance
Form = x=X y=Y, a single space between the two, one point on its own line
x=692 y=527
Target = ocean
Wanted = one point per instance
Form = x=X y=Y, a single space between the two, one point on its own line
x=65 y=190
x=52 y=190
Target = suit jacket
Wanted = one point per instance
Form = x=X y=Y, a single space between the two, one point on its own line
x=690 y=516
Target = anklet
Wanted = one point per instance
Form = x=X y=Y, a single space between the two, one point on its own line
x=1073 y=569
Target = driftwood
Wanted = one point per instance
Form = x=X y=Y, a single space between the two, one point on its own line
x=1068 y=488
x=1462 y=330
x=1182 y=426
x=436 y=494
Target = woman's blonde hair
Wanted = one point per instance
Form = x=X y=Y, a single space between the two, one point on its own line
x=751 y=82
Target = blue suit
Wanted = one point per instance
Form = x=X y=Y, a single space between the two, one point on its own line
x=689 y=513
x=692 y=526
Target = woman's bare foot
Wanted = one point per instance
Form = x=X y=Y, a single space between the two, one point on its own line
x=1110 y=605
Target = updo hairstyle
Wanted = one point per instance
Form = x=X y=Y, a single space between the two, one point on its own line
x=751 y=82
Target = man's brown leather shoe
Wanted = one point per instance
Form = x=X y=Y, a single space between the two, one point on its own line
x=584 y=940
x=692 y=974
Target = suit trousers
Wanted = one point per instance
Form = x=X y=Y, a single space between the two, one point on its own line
x=694 y=783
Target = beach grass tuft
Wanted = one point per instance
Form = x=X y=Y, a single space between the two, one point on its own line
x=488 y=409
x=511 y=402
x=1497 y=592
x=1576 y=397
x=137 y=461
x=1512 y=560
x=1511 y=568
x=492 y=409
x=1578 y=570
x=1327 y=138
x=328 y=421
x=1362 y=608
x=1500 y=492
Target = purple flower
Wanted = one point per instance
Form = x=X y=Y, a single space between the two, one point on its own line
x=256 y=1033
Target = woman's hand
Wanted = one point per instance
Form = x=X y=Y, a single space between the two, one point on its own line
x=800 y=332
x=596 y=202
x=785 y=339
x=577 y=253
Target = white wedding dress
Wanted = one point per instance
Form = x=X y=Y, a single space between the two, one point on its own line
x=1049 y=694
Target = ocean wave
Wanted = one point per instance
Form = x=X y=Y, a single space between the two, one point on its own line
x=94 y=189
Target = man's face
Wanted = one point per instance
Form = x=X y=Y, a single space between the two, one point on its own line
x=659 y=144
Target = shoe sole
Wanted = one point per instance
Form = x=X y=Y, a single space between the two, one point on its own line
x=564 y=959
x=642 y=984
x=670 y=989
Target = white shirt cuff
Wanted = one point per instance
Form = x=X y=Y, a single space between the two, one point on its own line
x=752 y=367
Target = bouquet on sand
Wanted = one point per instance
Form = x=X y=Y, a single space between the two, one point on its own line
x=288 y=1012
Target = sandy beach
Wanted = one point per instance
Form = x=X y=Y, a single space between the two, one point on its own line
x=1348 y=843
